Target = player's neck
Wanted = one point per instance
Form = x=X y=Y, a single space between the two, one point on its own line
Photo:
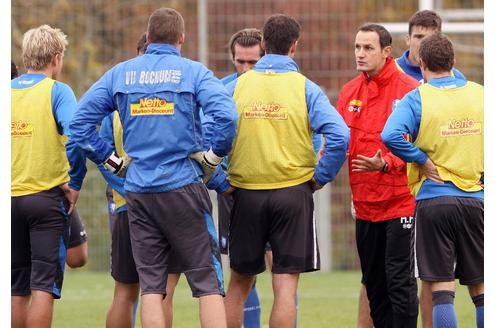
x=47 y=71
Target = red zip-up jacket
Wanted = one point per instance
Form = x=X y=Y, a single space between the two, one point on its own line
x=365 y=104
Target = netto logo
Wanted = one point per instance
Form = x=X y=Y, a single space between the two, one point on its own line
x=355 y=106
x=153 y=106
x=156 y=102
x=271 y=107
x=21 y=129
x=265 y=111
x=461 y=127
x=465 y=123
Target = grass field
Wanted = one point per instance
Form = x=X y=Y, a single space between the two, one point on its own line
x=325 y=300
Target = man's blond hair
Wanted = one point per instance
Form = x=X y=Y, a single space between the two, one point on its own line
x=40 y=44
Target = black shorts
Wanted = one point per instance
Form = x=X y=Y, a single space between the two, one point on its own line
x=39 y=240
x=122 y=266
x=180 y=220
x=225 y=205
x=449 y=235
x=283 y=217
x=77 y=232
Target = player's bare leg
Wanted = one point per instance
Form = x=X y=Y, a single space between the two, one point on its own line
x=212 y=312
x=120 y=312
x=18 y=310
x=40 y=311
x=284 y=303
x=152 y=311
x=426 y=304
x=168 y=305
x=237 y=293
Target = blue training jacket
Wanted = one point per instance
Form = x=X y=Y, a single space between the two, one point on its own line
x=323 y=119
x=158 y=96
x=405 y=119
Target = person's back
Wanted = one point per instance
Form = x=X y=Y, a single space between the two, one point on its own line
x=35 y=134
x=273 y=167
x=158 y=96
x=44 y=187
x=444 y=121
x=160 y=161
x=274 y=111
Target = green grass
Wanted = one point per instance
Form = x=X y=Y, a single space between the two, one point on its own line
x=325 y=300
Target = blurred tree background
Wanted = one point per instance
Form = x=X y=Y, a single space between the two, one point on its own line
x=102 y=33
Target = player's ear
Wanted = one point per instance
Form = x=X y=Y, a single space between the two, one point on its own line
x=293 y=48
x=182 y=38
x=387 y=51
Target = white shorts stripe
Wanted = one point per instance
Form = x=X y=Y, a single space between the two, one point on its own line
x=315 y=245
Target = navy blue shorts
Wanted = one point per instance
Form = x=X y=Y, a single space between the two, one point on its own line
x=180 y=220
x=39 y=240
x=449 y=234
x=284 y=218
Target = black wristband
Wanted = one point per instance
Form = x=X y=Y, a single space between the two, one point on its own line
x=385 y=167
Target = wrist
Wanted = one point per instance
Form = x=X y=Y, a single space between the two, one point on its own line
x=212 y=158
x=113 y=163
x=385 y=167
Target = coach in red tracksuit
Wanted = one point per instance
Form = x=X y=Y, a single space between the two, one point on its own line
x=384 y=206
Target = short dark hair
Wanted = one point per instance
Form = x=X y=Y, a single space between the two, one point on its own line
x=247 y=37
x=425 y=18
x=165 y=25
x=437 y=53
x=383 y=35
x=279 y=33
x=141 y=44
x=13 y=70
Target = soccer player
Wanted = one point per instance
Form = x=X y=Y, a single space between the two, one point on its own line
x=444 y=118
x=123 y=267
x=245 y=49
x=421 y=24
x=122 y=312
x=383 y=204
x=44 y=187
x=274 y=169
x=77 y=249
x=158 y=96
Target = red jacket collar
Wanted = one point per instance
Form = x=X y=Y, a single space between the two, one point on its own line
x=385 y=75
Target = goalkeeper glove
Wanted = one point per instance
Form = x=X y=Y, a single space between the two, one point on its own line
x=117 y=165
x=208 y=161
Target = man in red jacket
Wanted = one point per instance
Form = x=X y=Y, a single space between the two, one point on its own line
x=381 y=198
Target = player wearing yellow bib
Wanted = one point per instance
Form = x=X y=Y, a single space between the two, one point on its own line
x=445 y=120
x=274 y=169
x=44 y=187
